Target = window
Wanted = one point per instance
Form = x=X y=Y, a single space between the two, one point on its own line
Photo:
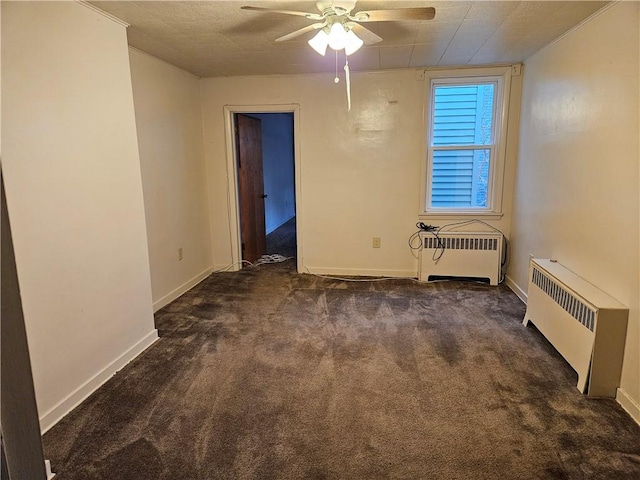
x=465 y=142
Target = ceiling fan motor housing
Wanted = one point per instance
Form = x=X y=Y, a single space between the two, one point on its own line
x=336 y=7
x=338 y=12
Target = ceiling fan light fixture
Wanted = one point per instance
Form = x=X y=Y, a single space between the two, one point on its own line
x=338 y=36
x=353 y=43
x=320 y=42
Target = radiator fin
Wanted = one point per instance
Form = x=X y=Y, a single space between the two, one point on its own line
x=460 y=243
x=570 y=303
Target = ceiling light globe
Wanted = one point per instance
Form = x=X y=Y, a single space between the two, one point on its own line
x=320 y=42
x=353 y=43
x=337 y=36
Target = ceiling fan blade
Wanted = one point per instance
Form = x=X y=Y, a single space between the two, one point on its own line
x=301 y=31
x=367 y=36
x=399 y=14
x=310 y=16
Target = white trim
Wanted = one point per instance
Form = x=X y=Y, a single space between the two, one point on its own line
x=233 y=212
x=232 y=176
x=595 y=14
x=146 y=54
x=185 y=287
x=47 y=467
x=223 y=268
x=74 y=399
x=463 y=215
x=515 y=288
x=501 y=75
x=103 y=13
x=360 y=272
x=629 y=405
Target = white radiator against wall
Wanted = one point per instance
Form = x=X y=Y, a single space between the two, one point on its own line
x=461 y=254
x=585 y=325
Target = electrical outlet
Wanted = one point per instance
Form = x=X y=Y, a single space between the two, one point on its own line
x=180 y=256
x=376 y=242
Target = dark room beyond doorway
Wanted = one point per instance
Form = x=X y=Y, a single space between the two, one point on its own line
x=273 y=188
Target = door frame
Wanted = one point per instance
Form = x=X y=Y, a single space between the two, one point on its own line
x=233 y=197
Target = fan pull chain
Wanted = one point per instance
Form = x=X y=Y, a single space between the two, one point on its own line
x=336 y=79
x=347 y=79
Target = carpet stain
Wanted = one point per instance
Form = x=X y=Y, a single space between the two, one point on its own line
x=269 y=374
x=138 y=460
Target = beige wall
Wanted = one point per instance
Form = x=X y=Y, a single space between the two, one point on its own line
x=174 y=179
x=72 y=173
x=360 y=171
x=577 y=188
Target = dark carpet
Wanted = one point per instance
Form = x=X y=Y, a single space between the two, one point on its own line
x=268 y=374
x=282 y=240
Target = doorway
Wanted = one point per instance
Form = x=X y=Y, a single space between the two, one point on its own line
x=266 y=183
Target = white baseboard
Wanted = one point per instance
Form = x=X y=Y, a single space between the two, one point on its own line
x=185 y=287
x=359 y=272
x=47 y=468
x=225 y=267
x=54 y=415
x=631 y=407
x=516 y=289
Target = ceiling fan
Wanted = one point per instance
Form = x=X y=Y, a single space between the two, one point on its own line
x=340 y=29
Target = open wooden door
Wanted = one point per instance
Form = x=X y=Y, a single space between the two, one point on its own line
x=251 y=187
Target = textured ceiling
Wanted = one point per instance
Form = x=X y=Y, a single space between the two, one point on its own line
x=217 y=38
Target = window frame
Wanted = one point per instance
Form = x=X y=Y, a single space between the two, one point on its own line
x=501 y=77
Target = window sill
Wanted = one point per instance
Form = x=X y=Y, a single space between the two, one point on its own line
x=464 y=215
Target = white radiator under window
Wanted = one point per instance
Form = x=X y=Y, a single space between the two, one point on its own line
x=461 y=254
x=585 y=325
